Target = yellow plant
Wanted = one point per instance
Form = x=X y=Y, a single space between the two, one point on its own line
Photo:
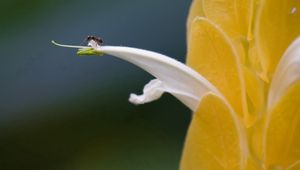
x=241 y=47
x=242 y=82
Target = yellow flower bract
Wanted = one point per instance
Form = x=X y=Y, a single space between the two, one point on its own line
x=217 y=61
x=236 y=45
x=215 y=139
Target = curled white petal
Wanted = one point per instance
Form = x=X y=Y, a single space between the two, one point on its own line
x=152 y=91
x=287 y=72
x=176 y=78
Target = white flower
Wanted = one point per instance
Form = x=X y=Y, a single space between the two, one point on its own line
x=171 y=75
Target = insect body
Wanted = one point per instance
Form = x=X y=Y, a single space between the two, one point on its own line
x=98 y=40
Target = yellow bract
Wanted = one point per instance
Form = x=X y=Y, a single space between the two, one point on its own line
x=295 y=166
x=215 y=138
x=255 y=96
x=211 y=53
x=196 y=10
x=236 y=45
x=282 y=139
x=232 y=16
x=278 y=24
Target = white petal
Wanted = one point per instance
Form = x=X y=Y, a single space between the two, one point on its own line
x=287 y=72
x=174 y=77
x=152 y=91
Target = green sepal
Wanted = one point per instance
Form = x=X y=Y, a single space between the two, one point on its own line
x=88 y=51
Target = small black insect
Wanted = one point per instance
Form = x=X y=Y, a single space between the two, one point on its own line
x=98 y=40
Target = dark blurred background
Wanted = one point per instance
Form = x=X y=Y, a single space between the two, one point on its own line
x=61 y=111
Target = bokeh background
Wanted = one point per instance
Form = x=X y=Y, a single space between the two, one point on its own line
x=61 y=111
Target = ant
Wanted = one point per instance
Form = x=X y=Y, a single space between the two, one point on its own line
x=98 y=40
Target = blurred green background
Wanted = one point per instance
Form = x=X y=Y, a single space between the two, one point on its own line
x=61 y=111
